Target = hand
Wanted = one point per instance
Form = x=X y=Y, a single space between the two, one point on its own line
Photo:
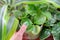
x=18 y=35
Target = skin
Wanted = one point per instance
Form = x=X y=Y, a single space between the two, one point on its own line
x=18 y=35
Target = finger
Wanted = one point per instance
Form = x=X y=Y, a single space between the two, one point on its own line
x=23 y=28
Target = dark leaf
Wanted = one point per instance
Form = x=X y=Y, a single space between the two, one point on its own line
x=45 y=33
x=56 y=31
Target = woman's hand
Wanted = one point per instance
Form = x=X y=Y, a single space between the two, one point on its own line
x=18 y=35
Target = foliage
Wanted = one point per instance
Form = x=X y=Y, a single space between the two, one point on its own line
x=43 y=17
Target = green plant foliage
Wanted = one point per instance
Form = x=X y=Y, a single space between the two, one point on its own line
x=56 y=31
x=43 y=17
x=0 y=24
x=44 y=34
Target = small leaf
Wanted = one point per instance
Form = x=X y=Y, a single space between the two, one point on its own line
x=45 y=33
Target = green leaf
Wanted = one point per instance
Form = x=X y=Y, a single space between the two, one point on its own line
x=1 y=24
x=56 y=31
x=11 y=27
x=45 y=33
x=39 y=19
x=29 y=23
x=56 y=3
x=56 y=36
x=34 y=31
x=58 y=16
x=9 y=24
x=31 y=9
x=4 y=11
x=56 y=28
x=50 y=22
x=47 y=14
x=17 y=13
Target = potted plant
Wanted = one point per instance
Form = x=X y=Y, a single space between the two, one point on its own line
x=42 y=16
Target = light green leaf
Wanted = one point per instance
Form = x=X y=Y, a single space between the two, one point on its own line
x=39 y=19
x=34 y=31
x=29 y=23
x=13 y=22
x=47 y=14
x=4 y=11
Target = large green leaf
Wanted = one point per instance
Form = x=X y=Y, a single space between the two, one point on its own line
x=45 y=33
x=4 y=11
x=56 y=31
x=9 y=23
x=11 y=27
